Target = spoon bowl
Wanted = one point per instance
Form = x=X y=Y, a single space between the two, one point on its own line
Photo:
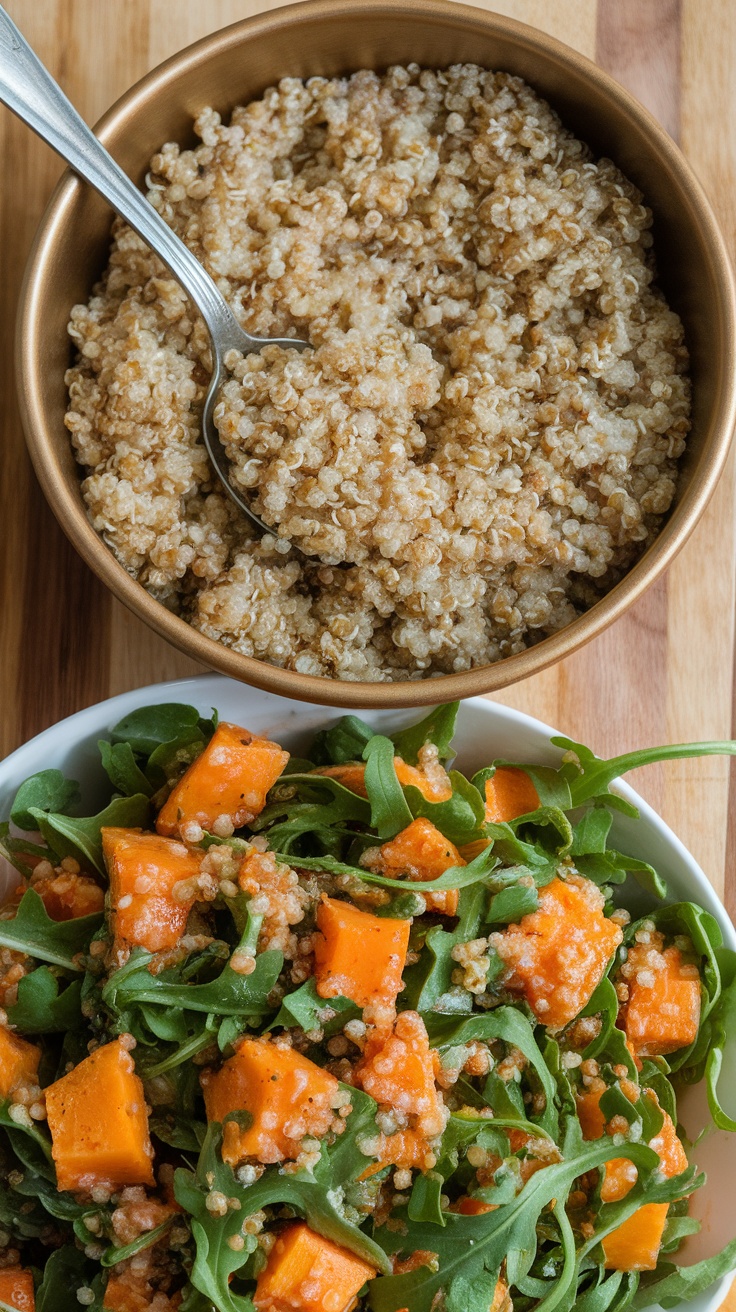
x=28 y=89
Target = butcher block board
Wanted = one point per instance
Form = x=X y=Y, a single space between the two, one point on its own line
x=664 y=673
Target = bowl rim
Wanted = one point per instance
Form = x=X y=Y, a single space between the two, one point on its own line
x=87 y=724
x=67 y=504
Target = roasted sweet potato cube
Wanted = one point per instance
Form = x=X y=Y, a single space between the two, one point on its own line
x=421 y=852
x=635 y=1244
x=18 y=1061
x=468 y=1206
x=557 y=955
x=231 y=778
x=66 y=896
x=351 y=775
x=397 y=1069
x=509 y=794
x=435 y=787
x=16 y=1289
x=663 y=1010
x=286 y=1096
x=307 y=1273
x=144 y=870
x=127 y=1293
x=407 y=1149
x=358 y=955
x=99 y=1124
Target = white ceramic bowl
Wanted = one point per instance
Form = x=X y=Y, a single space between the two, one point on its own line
x=485 y=730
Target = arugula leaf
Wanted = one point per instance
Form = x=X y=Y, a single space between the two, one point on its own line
x=590 y=776
x=65 y=1271
x=671 y=1285
x=122 y=769
x=612 y=867
x=16 y=849
x=304 y=1007
x=187 y=1048
x=113 y=1255
x=429 y=982
x=508 y=1024
x=591 y=832
x=455 y=877
x=438 y=727
x=287 y=820
x=469 y=1248
x=611 y=1041
x=460 y=818
x=230 y=994
x=390 y=812
x=180 y=1132
x=342 y=742
x=511 y=903
x=42 y=1008
x=148 y=727
x=315 y=1195
x=722 y=1028
x=49 y=790
x=551 y=785
x=58 y=942
x=81 y=838
x=41 y=1144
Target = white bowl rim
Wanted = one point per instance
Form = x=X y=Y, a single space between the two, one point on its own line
x=203 y=688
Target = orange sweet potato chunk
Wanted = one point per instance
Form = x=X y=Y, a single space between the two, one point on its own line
x=16 y=1289
x=231 y=778
x=500 y=1294
x=351 y=775
x=635 y=1244
x=435 y=787
x=307 y=1273
x=663 y=1010
x=472 y=1207
x=557 y=955
x=123 y=1294
x=358 y=955
x=18 y=1061
x=67 y=896
x=99 y=1124
x=421 y=852
x=287 y=1096
x=397 y=1068
x=143 y=870
x=509 y=794
x=133 y=1292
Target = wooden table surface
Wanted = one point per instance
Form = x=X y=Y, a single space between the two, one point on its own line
x=663 y=673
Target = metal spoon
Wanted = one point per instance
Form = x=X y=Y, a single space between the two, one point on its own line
x=28 y=88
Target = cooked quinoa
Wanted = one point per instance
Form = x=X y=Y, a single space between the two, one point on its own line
x=486 y=429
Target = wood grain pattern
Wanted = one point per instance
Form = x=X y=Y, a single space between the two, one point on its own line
x=666 y=671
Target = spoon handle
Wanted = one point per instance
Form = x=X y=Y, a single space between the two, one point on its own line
x=29 y=90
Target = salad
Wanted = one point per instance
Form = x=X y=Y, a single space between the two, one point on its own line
x=347 y=1031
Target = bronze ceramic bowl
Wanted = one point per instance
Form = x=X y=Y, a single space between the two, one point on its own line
x=332 y=37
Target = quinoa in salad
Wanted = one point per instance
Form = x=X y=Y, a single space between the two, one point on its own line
x=347 y=1031
x=485 y=432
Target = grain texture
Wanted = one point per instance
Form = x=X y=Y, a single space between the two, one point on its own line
x=664 y=672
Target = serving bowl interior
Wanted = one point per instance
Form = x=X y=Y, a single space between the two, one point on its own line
x=484 y=731
x=330 y=37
